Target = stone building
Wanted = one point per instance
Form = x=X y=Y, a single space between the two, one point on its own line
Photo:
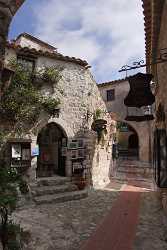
x=155 y=15
x=114 y=93
x=65 y=141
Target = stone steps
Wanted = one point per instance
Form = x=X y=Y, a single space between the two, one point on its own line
x=51 y=181
x=124 y=178
x=44 y=190
x=133 y=165
x=55 y=190
x=63 y=197
x=133 y=170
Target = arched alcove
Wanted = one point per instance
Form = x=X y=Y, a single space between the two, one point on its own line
x=128 y=141
x=51 y=161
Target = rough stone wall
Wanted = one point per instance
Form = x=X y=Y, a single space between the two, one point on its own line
x=160 y=78
x=78 y=93
x=119 y=109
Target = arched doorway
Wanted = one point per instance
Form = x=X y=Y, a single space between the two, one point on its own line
x=133 y=141
x=133 y=144
x=50 y=160
x=128 y=142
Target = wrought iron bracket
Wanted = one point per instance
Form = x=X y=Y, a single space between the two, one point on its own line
x=140 y=64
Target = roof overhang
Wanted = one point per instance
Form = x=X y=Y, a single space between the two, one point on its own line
x=152 y=10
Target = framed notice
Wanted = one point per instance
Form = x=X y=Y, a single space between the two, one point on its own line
x=26 y=154
x=74 y=154
x=16 y=150
x=81 y=153
x=73 y=144
x=64 y=151
x=35 y=150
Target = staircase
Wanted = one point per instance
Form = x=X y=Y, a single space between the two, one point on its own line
x=55 y=190
x=133 y=170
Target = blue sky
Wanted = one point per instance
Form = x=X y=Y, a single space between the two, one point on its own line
x=108 y=34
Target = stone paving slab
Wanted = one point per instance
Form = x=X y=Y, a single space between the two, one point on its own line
x=65 y=226
x=151 y=232
x=68 y=226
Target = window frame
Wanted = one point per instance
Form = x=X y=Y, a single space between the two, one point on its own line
x=28 y=59
x=110 y=97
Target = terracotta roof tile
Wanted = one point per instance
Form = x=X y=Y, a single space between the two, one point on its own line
x=152 y=10
x=54 y=55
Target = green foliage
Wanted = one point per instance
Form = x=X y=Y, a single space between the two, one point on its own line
x=98 y=113
x=101 y=136
x=14 y=233
x=50 y=104
x=10 y=180
x=49 y=74
x=8 y=191
x=23 y=186
x=22 y=102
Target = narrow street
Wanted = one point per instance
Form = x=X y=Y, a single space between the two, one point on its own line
x=126 y=215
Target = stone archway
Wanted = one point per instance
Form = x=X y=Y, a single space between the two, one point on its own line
x=128 y=141
x=51 y=161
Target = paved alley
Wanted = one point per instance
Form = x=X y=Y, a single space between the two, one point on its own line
x=126 y=215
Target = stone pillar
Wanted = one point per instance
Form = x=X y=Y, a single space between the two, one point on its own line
x=31 y=173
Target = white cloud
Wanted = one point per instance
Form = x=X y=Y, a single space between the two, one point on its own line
x=108 y=34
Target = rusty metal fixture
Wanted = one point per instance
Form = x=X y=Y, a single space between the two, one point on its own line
x=140 y=93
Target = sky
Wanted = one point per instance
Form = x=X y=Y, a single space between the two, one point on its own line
x=106 y=33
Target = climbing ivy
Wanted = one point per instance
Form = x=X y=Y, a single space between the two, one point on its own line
x=49 y=74
x=22 y=102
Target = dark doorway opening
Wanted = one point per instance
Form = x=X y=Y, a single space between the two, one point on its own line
x=128 y=141
x=50 y=160
x=133 y=142
x=133 y=145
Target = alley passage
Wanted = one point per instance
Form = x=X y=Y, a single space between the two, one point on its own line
x=125 y=215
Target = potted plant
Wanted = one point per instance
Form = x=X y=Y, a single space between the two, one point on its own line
x=81 y=182
x=99 y=125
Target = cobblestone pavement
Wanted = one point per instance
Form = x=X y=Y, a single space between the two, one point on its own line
x=151 y=231
x=67 y=226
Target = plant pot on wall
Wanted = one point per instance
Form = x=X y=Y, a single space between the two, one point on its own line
x=81 y=183
x=99 y=126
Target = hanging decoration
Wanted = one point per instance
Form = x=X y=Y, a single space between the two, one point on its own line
x=139 y=98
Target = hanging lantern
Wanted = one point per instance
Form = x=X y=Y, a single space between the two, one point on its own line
x=140 y=93
x=139 y=98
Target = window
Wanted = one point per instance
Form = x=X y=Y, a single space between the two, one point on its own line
x=110 y=95
x=27 y=63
